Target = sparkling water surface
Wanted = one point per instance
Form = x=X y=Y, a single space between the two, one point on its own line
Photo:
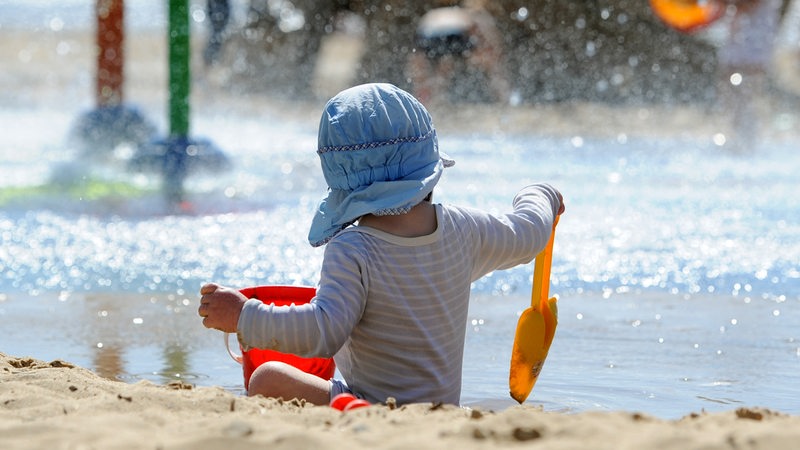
x=677 y=264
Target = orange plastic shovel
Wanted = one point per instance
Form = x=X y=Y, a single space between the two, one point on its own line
x=535 y=329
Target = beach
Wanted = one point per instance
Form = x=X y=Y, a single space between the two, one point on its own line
x=674 y=333
x=57 y=405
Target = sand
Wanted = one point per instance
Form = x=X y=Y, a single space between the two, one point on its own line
x=59 y=405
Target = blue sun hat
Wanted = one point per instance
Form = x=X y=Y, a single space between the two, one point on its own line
x=379 y=155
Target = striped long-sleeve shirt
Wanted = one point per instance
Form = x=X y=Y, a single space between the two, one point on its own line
x=393 y=310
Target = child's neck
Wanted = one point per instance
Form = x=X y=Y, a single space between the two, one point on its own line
x=419 y=221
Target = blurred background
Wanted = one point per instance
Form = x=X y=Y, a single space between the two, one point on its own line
x=615 y=51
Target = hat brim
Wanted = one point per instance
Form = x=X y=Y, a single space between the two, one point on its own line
x=341 y=208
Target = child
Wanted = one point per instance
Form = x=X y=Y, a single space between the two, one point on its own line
x=391 y=305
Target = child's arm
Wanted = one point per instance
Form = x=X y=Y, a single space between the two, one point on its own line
x=318 y=328
x=515 y=238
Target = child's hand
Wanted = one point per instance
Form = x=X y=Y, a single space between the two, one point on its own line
x=220 y=307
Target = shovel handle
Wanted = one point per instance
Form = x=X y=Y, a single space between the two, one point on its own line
x=541 y=271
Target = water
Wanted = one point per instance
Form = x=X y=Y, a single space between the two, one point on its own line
x=676 y=262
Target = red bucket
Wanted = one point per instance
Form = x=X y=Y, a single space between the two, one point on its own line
x=282 y=296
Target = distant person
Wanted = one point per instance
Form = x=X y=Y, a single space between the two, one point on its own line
x=218 y=13
x=391 y=305
x=455 y=43
x=744 y=63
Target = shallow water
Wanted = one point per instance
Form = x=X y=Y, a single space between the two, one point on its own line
x=676 y=263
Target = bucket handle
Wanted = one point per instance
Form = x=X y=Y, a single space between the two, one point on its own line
x=237 y=358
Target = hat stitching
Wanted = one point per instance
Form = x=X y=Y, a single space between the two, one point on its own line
x=392 y=211
x=341 y=148
x=383 y=212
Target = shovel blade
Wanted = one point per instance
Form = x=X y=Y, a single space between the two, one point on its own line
x=527 y=354
x=550 y=312
x=535 y=332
